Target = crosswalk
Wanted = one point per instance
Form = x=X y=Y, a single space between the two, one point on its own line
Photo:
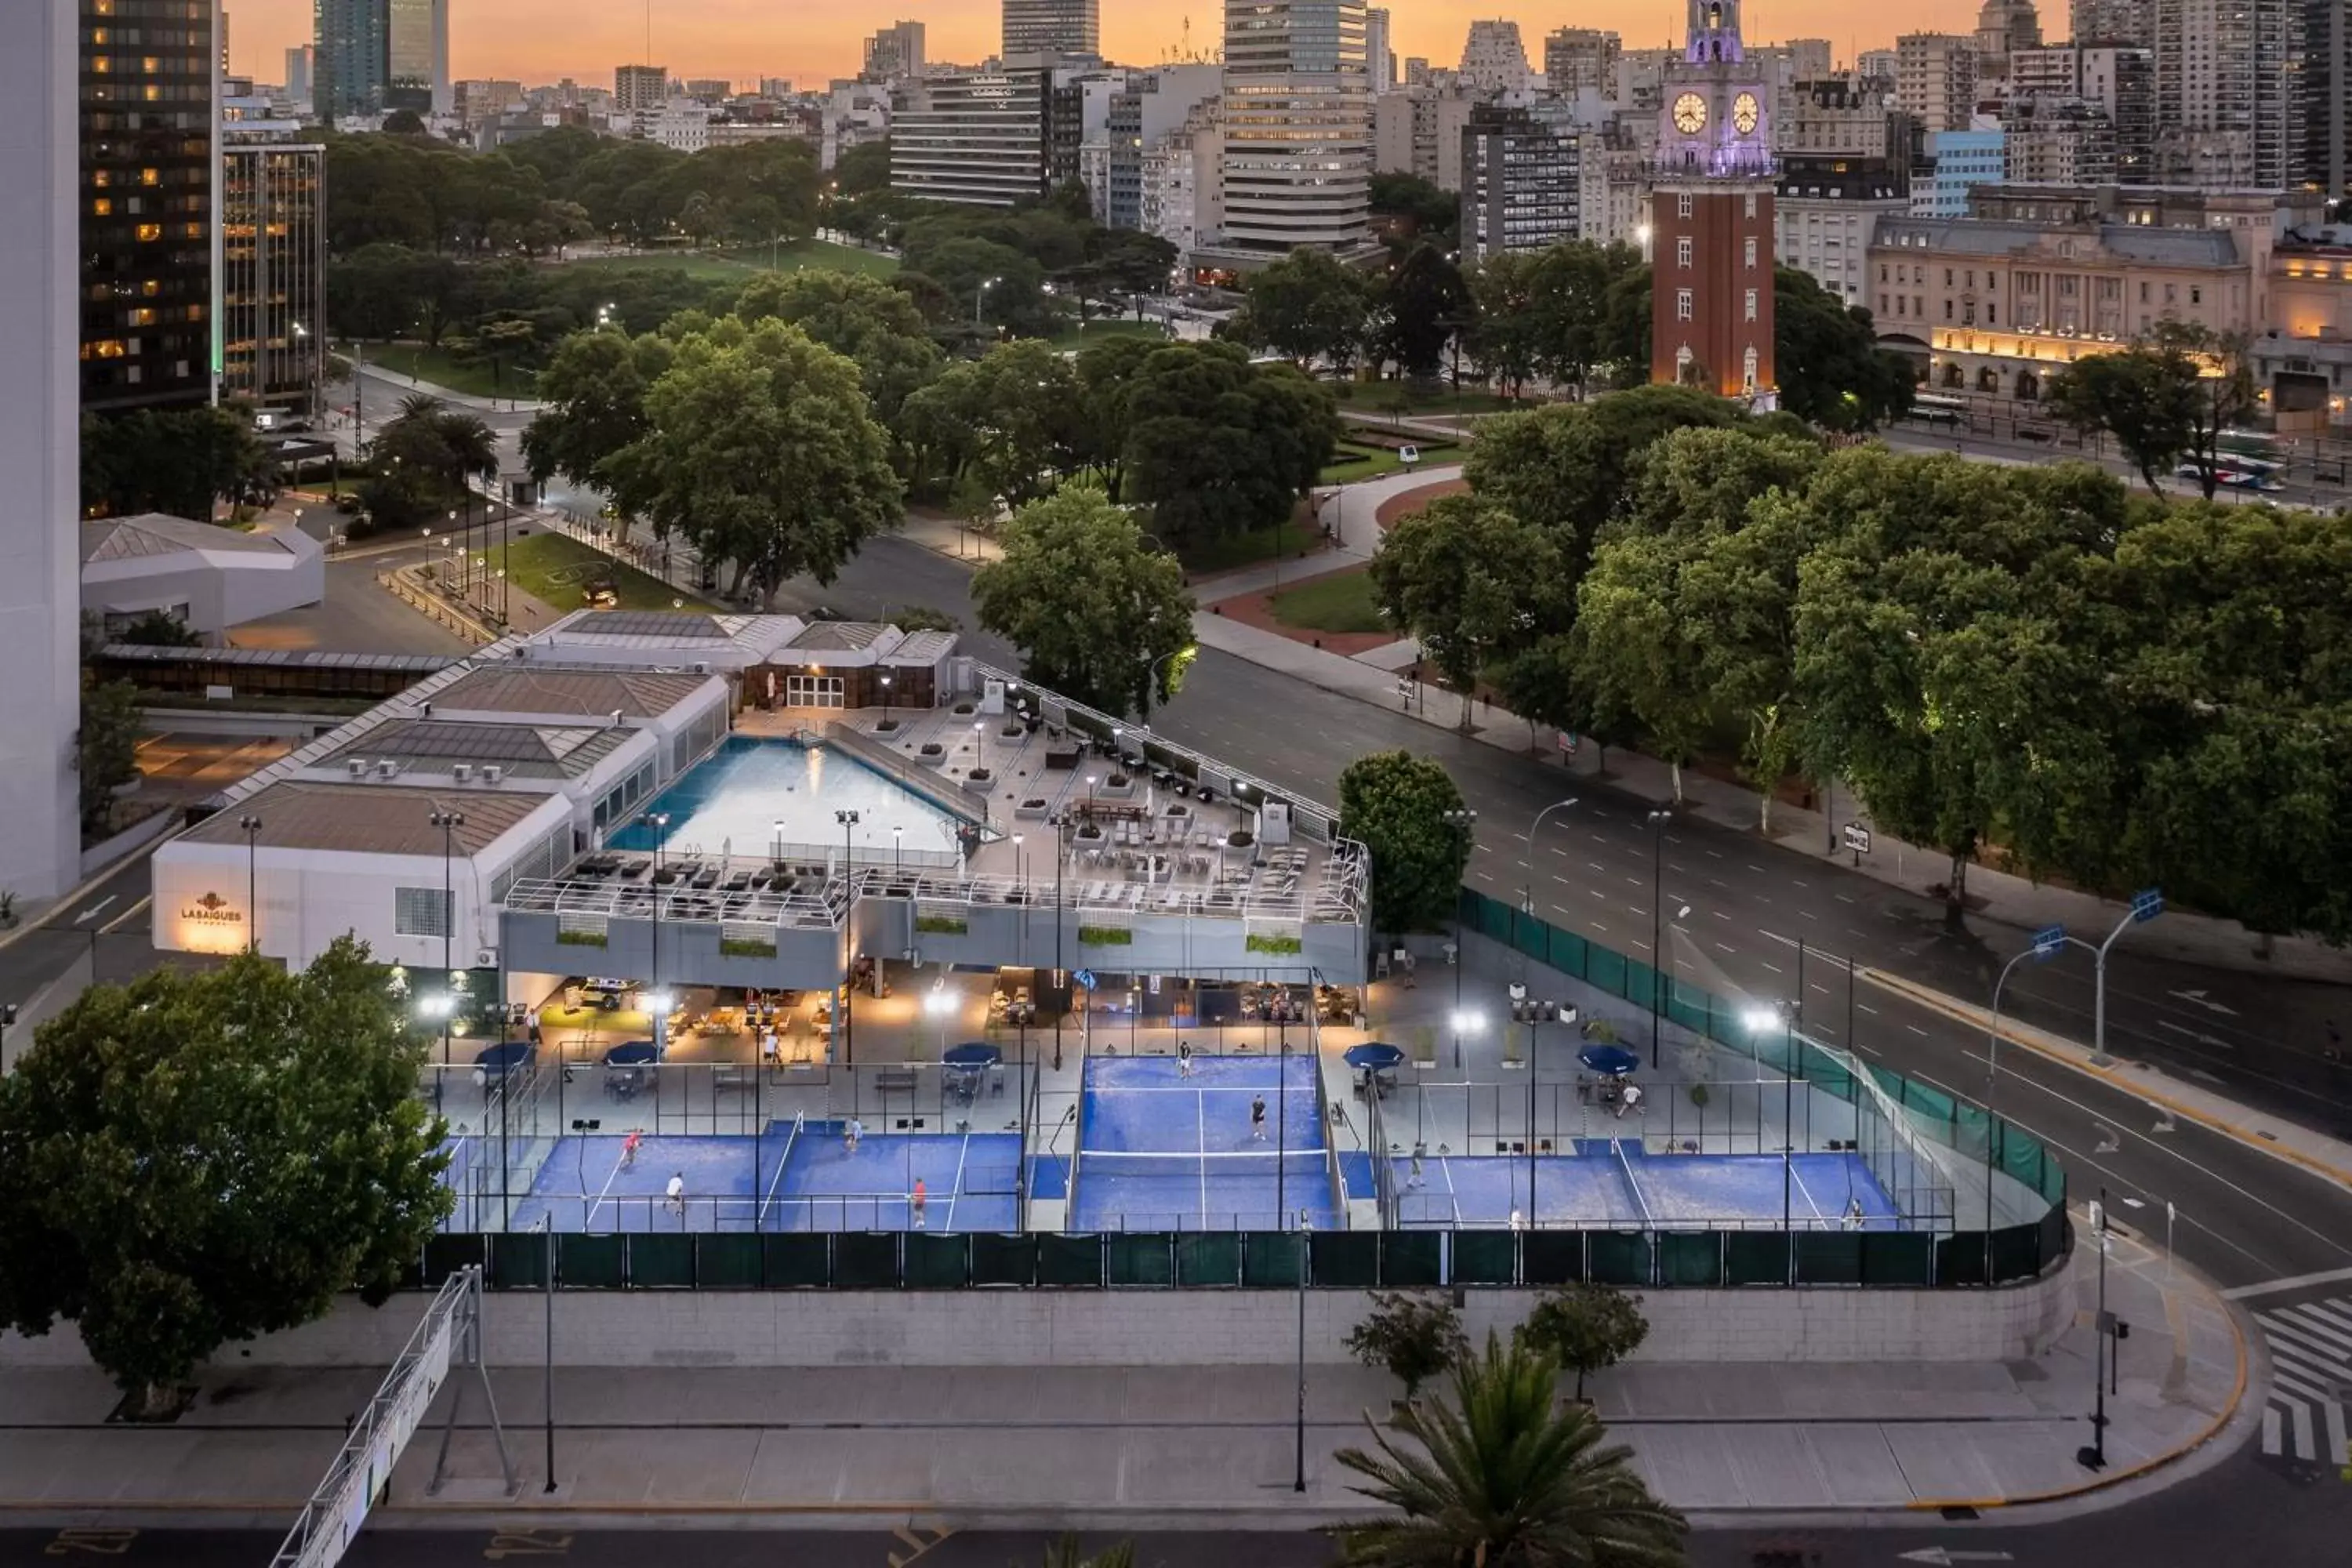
x=2311 y=1377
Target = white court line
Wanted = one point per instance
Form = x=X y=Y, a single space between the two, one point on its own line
x=588 y=1221
x=963 y=1153
x=1201 y=1138
x=1453 y=1200
x=1799 y=1182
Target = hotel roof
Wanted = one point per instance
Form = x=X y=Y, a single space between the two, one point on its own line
x=367 y=819
x=524 y=750
x=567 y=690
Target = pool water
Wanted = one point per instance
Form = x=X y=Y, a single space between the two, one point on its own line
x=732 y=802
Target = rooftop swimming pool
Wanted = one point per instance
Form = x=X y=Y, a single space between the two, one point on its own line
x=754 y=792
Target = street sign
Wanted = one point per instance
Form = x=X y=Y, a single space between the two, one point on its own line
x=1084 y=979
x=1567 y=744
x=2147 y=904
x=1856 y=836
x=2049 y=941
x=1408 y=455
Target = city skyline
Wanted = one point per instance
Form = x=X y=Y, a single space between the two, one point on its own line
x=537 y=41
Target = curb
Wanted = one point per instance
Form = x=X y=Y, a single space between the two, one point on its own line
x=1960 y=1012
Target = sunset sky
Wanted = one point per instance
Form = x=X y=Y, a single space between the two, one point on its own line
x=537 y=41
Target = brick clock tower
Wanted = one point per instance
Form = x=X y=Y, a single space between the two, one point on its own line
x=1711 y=217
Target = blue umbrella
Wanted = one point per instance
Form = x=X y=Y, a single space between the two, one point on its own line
x=1374 y=1056
x=631 y=1053
x=1614 y=1060
x=972 y=1054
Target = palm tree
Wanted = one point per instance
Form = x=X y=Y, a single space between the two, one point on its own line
x=1505 y=1477
x=1064 y=1553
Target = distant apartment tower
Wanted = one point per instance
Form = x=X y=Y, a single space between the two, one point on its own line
x=895 y=53
x=370 y=57
x=1380 y=59
x=640 y=89
x=2327 y=98
x=976 y=137
x=2229 y=93
x=1519 y=182
x=1582 y=59
x=1957 y=161
x=1494 y=60
x=1936 y=78
x=416 y=75
x=1419 y=132
x=2113 y=22
x=272 y=281
x=1881 y=65
x=1053 y=27
x=298 y=77
x=147 y=130
x=1298 y=128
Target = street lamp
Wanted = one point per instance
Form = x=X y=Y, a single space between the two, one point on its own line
x=1466 y=821
x=1466 y=1021
x=2048 y=943
x=1761 y=1020
x=1059 y=822
x=1657 y=821
x=1528 y=860
x=979 y=291
x=660 y=822
x=448 y=822
x=886 y=702
x=778 y=825
x=938 y=1004
x=250 y=826
x=1151 y=677
x=2146 y=905
x=1298 y=1470
x=848 y=820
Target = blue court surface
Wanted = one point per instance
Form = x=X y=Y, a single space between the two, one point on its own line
x=1599 y=1190
x=782 y=1179
x=1161 y=1151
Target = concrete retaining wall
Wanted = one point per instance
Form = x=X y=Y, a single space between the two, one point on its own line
x=1137 y=1328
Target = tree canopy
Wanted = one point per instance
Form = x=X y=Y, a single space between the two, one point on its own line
x=202 y=1157
x=1216 y=445
x=1097 y=614
x=1395 y=804
x=176 y=461
x=2167 y=399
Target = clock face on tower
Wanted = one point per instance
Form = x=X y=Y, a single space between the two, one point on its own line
x=1744 y=113
x=1690 y=114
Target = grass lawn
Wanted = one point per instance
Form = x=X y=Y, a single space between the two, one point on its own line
x=749 y=259
x=1070 y=340
x=555 y=569
x=1339 y=602
x=1403 y=397
x=1254 y=548
x=435 y=365
x=1354 y=463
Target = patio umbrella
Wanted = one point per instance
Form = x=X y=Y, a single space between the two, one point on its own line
x=1614 y=1060
x=1375 y=1056
x=972 y=1054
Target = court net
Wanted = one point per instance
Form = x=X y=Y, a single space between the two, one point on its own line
x=777 y=1180
x=1246 y=1164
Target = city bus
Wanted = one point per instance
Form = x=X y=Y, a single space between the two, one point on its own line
x=1930 y=409
x=2254 y=444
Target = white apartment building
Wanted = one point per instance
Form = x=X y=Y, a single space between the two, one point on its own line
x=976 y=138
x=1580 y=59
x=1296 y=163
x=1494 y=60
x=2229 y=93
x=1936 y=78
x=682 y=126
x=1180 y=197
x=1379 y=58
x=1419 y=132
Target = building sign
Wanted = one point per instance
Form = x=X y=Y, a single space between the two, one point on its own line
x=212 y=910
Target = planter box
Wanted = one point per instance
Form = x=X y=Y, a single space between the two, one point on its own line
x=932 y=756
x=1118 y=787
x=980 y=781
x=1031 y=811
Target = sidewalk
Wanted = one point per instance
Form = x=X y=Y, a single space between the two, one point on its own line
x=1144 y=1447
x=454 y=398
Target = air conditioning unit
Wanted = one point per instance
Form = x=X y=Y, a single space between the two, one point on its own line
x=461 y=772
x=703 y=666
x=492 y=772
x=386 y=768
x=486 y=958
x=357 y=767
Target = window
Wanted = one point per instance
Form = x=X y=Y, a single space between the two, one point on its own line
x=421 y=912
x=1948 y=310
x=1751 y=257
x=1992 y=314
x=1681 y=304
x=1682 y=203
x=1948 y=277
x=1682 y=250
x=825 y=690
x=1751 y=204
x=1751 y=304
x=2195 y=295
x=2143 y=290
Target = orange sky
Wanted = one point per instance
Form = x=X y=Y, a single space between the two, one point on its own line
x=809 y=40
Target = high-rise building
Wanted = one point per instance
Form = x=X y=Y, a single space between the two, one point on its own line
x=974 y=137
x=370 y=57
x=2004 y=27
x=1378 y=58
x=1147 y=109
x=1052 y=27
x=1494 y=60
x=416 y=56
x=1957 y=162
x=1878 y=64
x=298 y=79
x=1711 y=215
x=2112 y=22
x=1580 y=59
x=1419 y=132
x=2327 y=98
x=40 y=837
x=2228 y=91
x=1828 y=204
x=640 y=89
x=1519 y=181
x=895 y=53
x=272 y=281
x=1297 y=140
x=1936 y=78
x=146 y=212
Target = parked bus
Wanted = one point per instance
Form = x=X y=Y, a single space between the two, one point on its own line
x=1930 y=409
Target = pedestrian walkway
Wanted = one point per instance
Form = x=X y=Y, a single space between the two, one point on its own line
x=1142 y=1447
x=455 y=398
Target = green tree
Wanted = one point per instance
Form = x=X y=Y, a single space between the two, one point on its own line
x=180 y=461
x=594 y=396
x=1395 y=804
x=760 y=449
x=424 y=458
x=1097 y=615
x=1065 y=1552
x=1306 y=307
x=1505 y=334
x=1469 y=579
x=158 y=629
x=1417 y=209
x=853 y=314
x=1584 y=1326
x=203 y=1157
x=1010 y=419
x=1500 y=1476
x=106 y=748
x=863 y=168
x=1414 y=1335
x=2167 y=398
x=1422 y=305
x=1826 y=358
x=1216 y=445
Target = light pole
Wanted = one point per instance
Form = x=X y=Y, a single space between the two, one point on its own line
x=2047 y=943
x=251 y=826
x=1298 y=1467
x=1152 y=676
x=2146 y=905
x=1657 y=821
x=1059 y=822
x=547 y=1369
x=898 y=837
x=448 y=822
x=2093 y=1457
x=1527 y=859
x=465 y=553
x=660 y=822
x=1466 y=1021
x=848 y=820
x=1467 y=820
x=1761 y=1020
x=886 y=702
x=979 y=291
